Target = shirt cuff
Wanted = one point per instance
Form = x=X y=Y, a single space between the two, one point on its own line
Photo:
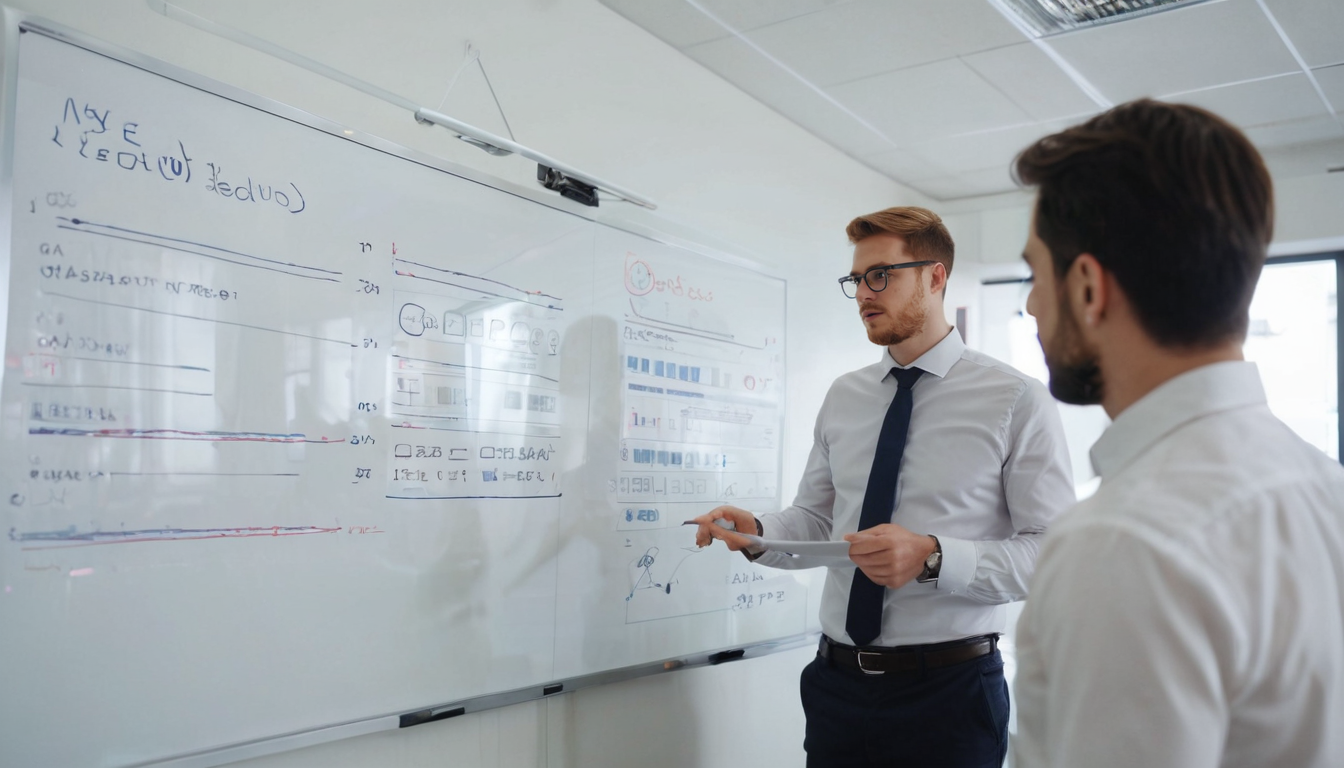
x=958 y=568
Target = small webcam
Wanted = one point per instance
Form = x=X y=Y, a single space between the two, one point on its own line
x=574 y=189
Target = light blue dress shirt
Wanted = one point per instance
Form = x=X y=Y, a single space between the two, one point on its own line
x=985 y=470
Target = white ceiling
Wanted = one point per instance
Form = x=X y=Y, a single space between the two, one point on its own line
x=940 y=95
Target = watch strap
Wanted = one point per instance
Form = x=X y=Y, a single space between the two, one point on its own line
x=933 y=564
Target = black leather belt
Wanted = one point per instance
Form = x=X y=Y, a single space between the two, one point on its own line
x=906 y=658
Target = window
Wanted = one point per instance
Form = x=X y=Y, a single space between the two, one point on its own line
x=1294 y=339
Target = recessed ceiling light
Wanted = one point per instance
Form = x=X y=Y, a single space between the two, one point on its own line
x=1049 y=17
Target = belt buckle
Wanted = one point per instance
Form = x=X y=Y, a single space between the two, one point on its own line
x=858 y=657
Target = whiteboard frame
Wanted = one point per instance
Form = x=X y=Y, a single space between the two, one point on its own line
x=16 y=23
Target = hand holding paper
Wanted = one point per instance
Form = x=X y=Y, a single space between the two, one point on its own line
x=889 y=554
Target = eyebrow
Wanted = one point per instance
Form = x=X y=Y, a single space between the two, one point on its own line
x=852 y=273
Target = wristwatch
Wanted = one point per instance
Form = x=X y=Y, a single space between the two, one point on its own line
x=933 y=564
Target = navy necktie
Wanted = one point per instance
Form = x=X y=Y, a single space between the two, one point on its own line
x=864 y=620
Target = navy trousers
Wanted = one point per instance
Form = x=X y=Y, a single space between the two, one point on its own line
x=950 y=717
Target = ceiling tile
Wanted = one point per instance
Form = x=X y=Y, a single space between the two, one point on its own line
x=928 y=101
x=1304 y=159
x=741 y=65
x=978 y=151
x=1180 y=50
x=1331 y=80
x=861 y=39
x=905 y=166
x=984 y=182
x=1296 y=132
x=1035 y=83
x=675 y=22
x=1275 y=100
x=743 y=16
x=1316 y=28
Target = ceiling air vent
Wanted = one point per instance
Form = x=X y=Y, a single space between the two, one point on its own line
x=1049 y=17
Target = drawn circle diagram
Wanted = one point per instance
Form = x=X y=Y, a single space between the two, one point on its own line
x=412 y=319
x=638 y=278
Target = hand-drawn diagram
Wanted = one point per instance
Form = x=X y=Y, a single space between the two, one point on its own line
x=643 y=575
x=670 y=576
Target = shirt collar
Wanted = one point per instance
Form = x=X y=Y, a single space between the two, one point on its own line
x=1176 y=402
x=938 y=360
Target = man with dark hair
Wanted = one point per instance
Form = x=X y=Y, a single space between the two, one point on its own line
x=1191 y=612
x=942 y=467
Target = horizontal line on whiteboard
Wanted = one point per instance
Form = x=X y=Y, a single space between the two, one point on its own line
x=71 y=538
x=678 y=615
x=555 y=436
x=198 y=253
x=178 y=434
x=476 y=290
x=685 y=330
x=204 y=474
x=205 y=255
x=434 y=498
x=113 y=386
x=342 y=342
x=463 y=418
x=474 y=367
x=523 y=291
x=123 y=362
x=85 y=222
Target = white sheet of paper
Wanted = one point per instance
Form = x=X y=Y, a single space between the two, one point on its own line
x=829 y=553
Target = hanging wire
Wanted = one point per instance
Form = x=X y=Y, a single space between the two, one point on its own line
x=474 y=57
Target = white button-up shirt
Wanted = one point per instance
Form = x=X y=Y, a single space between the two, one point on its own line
x=985 y=469
x=1191 y=613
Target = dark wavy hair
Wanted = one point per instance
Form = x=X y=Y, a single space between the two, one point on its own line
x=1170 y=198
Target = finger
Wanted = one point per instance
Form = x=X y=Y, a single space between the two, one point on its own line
x=865 y=534
x=871 y=562
x=868 y=546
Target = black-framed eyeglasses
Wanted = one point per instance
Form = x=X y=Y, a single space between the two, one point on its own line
x=876 y=277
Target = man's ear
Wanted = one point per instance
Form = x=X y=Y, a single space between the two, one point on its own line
x=1087 y=290
x=937 y=277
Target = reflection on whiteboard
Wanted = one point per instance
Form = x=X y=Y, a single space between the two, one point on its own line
x=701 y=411
x=475 y=383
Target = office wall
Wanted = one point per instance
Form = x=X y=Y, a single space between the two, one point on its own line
x=584 y=85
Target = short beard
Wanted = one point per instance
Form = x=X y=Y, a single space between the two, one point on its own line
x=1075 y=376
x=906 y=325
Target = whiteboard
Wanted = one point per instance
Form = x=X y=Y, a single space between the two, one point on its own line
x=301 y=429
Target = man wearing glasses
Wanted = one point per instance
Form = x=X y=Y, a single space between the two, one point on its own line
x=942 y=467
